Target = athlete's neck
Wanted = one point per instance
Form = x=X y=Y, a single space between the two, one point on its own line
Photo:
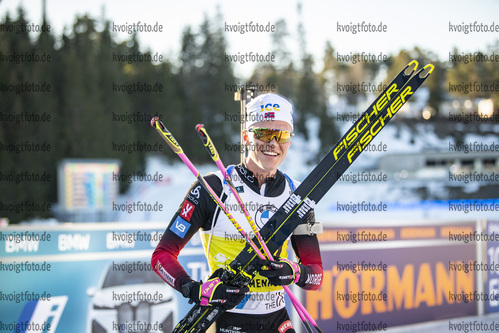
x=260 y=174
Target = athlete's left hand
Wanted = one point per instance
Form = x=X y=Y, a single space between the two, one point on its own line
x=280 y=272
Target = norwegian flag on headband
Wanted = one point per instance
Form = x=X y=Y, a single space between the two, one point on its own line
x=269 y=115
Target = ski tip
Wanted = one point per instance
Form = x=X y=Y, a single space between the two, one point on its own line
x=411 y=67
x=426 y=71
x=154 y=120
x=199 y=127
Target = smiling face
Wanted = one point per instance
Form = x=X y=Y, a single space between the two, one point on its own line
x=265 y=157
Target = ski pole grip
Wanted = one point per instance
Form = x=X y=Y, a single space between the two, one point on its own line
x=166 y=135
x=207 y=142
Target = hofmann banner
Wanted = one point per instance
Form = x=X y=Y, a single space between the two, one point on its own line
x=380 y=277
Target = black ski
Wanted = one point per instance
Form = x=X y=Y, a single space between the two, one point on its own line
x=243 y=269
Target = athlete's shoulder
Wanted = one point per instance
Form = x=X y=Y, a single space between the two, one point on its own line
x=212 y=176
x=197 y=190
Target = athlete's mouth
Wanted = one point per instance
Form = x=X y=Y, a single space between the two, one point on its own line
x=270 y=153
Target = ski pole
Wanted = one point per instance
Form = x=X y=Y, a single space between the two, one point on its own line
x=208 y=143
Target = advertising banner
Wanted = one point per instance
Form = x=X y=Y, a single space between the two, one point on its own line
x=379 y=277
x=89 y=278
x=492 y=285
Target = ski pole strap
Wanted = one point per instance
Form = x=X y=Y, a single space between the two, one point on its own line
x=295 y=267
x=207 y=289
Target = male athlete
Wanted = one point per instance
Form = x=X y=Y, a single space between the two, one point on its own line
x=263 y=189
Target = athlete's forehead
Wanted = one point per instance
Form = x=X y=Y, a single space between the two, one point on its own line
x=274 y=124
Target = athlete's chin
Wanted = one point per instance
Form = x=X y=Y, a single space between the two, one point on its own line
x=270 y=165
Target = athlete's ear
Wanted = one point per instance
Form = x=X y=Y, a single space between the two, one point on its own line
x=246 y=137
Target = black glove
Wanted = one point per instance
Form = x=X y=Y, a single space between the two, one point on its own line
x=280 y=272
x=214 y=292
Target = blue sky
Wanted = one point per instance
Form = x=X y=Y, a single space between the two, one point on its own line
x=422 y=23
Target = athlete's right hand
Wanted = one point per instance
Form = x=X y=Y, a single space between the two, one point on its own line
x=214 y=292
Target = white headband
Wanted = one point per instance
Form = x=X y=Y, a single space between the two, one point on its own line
x=269 y=107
